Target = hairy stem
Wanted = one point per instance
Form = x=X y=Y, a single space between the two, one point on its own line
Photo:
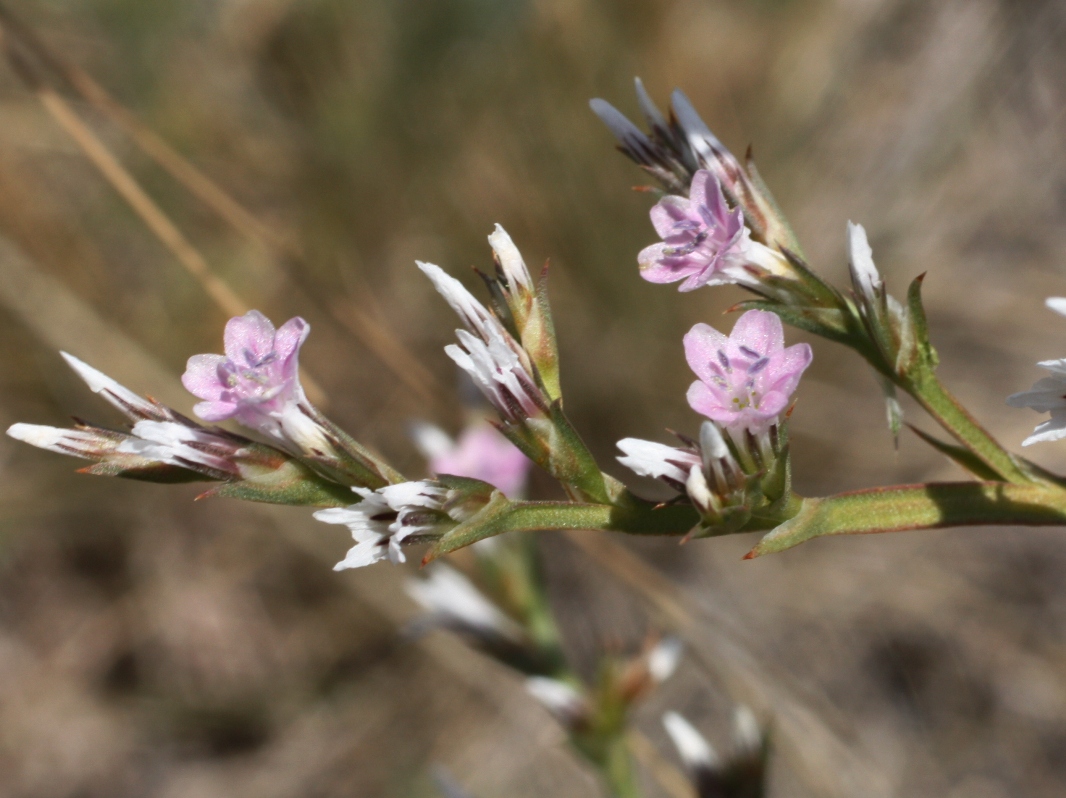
x=953 y=417
x=930 y=506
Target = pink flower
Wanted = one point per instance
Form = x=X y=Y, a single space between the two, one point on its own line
x=483 y=453
x=256 y=379
x=746 y=379
x=704 y=242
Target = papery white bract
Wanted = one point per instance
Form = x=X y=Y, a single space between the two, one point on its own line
x=657 y=460
x=1048 y=395
x=706 y=471
x=387 y=518
x=510 y=259
x=159 y=435
x=496 y=362
x=119 y=396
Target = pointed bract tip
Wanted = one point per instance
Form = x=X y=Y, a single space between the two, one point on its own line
x=751 y=555
x=35 y=434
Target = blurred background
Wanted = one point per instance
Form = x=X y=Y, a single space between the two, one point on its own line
x=150 y=646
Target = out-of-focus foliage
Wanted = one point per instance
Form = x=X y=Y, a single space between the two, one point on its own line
x=150 y=646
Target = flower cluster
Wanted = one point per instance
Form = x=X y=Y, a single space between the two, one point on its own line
x=490 y=354
x=673 y=152
x=385 y=520
x=164 y=446
x=746 y=381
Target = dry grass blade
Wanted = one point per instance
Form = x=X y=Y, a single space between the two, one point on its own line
x=371 y=332
x=130 y=190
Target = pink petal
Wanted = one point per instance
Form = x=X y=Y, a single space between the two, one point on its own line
x=772 y=403
x=711 y=196
x=704 y=401
x=697 y=280
x=784 y=370
x=201 y=376
x=697 y=190
x=290 y=337
x=215 y=411
x=702 y=345
x=668 y=211
x=759 y=330
x=656 y=267
x=252 y=332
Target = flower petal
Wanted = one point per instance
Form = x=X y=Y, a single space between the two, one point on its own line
x=290 y=337
x=668 y=211
x=760 y=331
x=703 y=400
x=201 y=377
x=702 y=345
x=215 y=411
x=253 y=332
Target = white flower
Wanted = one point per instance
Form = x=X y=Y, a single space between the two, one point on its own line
x=496 y=362
x=1048 y=395
x=864 y=274
x=85 y=443
x=695 y=751
x=510 y=260
x=179 y=445
x=453 y=601
x=657 y=460
x=387 y=518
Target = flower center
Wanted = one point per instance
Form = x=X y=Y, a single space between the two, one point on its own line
x=737 y=376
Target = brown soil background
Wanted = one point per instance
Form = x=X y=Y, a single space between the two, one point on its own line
x=150 y=646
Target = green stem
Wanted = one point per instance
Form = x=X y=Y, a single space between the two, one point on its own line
x=931 y=506
x=953 y=417
x=618 y=770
